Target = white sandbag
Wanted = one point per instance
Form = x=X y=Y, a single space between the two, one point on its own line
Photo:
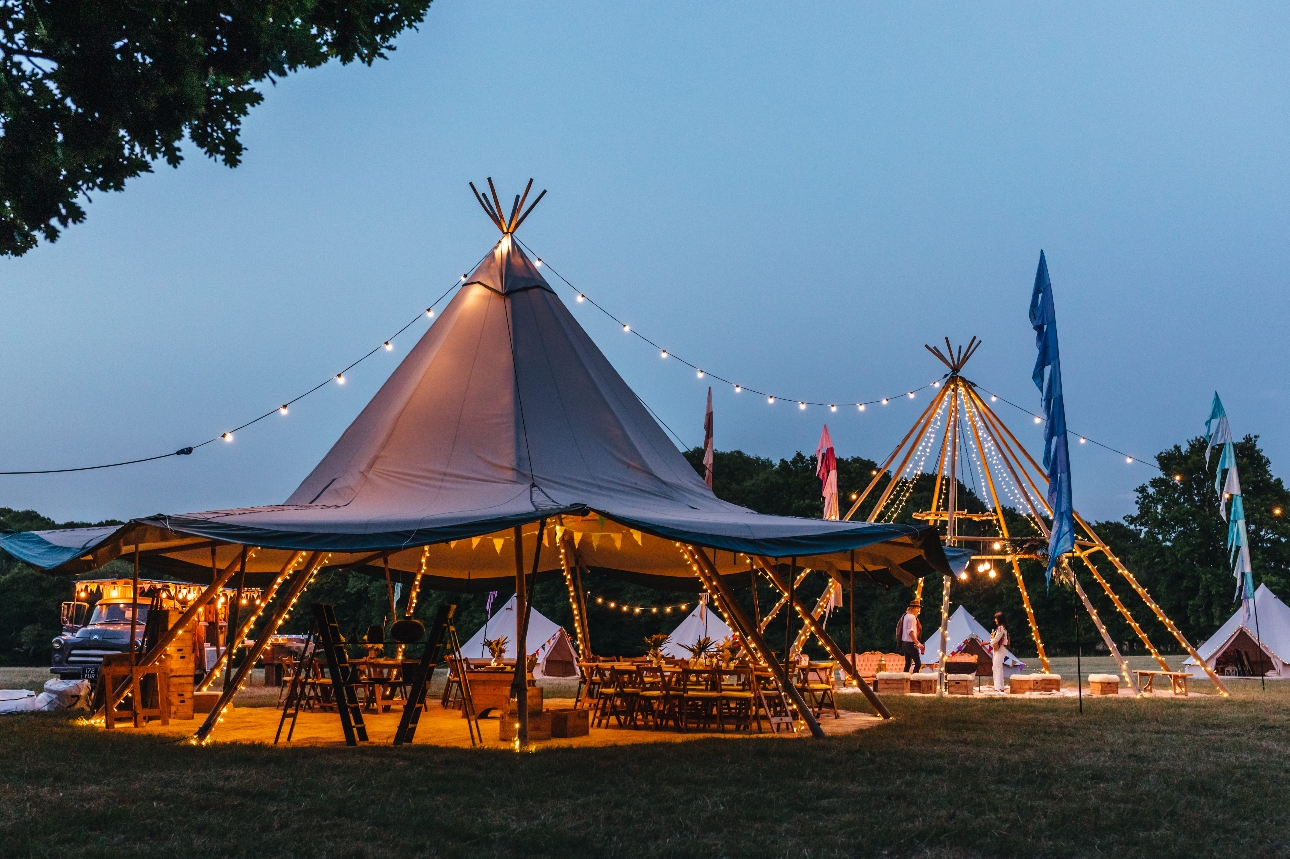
x=17 y=701
x=71 y=694
x=47 y=703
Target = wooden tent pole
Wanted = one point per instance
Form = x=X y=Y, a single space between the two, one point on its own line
x=824 y=638
x=1004 y=453
x=1159 y=613
x=895 y=453
x=783 y=601
x=974 y=419
x=245 y=629
x=303 y=578
x=575 y=601
x=389 y=586
x=230 y=622
x=1124 y=612
x=520 y=685
x=1106 y=637
x=134 y=609
x=926 y=420
x=708 y=574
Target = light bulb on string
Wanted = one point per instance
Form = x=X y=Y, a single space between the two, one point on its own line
x=388 y=346
x=228 y=436
x=538 y=262
x=993 y=398
x=626 y=328
x=581 y=297
x=1037 y=419
x=860 y=407
x=884 y=401
x=770 y=400
x=738 y=388
x=911 y=395
x=801 y=405
x=699 y=374
x=832 y=407
x=1082 y=439
x=430 y=313
x=1128 y=460
x=283 y=408
x=663 y=353
x=340 y=378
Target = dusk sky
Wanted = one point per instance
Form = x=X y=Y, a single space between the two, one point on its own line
x=796 y=197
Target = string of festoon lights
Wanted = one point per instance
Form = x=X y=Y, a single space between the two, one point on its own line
x=632 y=608
x=387 y=345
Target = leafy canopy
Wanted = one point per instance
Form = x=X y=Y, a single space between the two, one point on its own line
x=92 y=92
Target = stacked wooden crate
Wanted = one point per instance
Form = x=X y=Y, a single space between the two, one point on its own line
x=179 y=656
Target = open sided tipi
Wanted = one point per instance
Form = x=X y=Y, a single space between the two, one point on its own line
x=960 y=440
x=1250 y=646
x=501 y=440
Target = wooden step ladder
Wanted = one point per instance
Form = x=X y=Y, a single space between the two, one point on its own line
x=341 y=673
x=442 y=631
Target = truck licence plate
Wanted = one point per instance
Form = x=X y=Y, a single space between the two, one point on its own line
x=90 y=673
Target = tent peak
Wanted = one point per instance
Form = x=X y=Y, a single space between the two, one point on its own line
x=493 y=207
x=955 y=361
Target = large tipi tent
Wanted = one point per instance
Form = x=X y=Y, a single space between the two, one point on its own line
x=503 y=427
x=965 y=634
x=1242 y=647
x=700 y=623
x=543 y=639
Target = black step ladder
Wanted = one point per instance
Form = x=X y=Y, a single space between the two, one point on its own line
x=416 y=700
x=299 y=683
x=342 y=674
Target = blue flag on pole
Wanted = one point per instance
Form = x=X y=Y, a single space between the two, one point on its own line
x=1043 y=317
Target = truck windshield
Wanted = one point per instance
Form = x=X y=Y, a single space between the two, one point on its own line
x=116 y=613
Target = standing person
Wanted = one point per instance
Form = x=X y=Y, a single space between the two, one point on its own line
x=909 y=634
x=999 y=641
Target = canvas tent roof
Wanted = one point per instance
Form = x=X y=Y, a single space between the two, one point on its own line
x=703 y=621
x=1273 y=631
x=503 y=413
x=542 y=634
x=962 y=626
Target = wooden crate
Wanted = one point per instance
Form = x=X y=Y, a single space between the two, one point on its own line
x=181 y=696
x=1020 y=684
x=1104 y=684
x=922 y=684
x=204 y=702
x=892 y=683
x=570 y=723
x=539 y=726
x=1048 y=682
x=960 y=684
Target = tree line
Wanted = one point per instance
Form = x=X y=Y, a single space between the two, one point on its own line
x=1174 y=542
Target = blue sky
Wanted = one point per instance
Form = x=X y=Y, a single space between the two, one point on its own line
x=795 y=197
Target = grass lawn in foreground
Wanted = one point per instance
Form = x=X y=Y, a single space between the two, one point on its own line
x=948 y=778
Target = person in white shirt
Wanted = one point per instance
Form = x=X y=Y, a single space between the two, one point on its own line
x=909 y=633
x=999 y=642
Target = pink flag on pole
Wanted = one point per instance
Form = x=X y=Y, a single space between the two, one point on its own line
x=827 y=469
x=707 y=444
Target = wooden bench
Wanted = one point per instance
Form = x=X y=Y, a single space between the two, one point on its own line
x=1147 y=679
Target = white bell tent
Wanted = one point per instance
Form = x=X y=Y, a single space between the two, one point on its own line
x=966 y=635
x=546 y=638
x=1243 y=647
x=701 y=622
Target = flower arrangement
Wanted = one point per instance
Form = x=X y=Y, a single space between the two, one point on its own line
x=701 y=652
x=654 y=646
x=497 y=647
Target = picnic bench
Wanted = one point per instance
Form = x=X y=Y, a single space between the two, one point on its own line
x=1147 y=679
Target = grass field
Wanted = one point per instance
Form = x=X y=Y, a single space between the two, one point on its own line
x=948 y=778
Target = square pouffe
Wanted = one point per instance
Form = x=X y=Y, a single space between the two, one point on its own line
x=1020 y=684
x=1048 y=682
x=570 y=723
x=1104 y=684
x=892 y=683
x=960 y=684
x=922 y=684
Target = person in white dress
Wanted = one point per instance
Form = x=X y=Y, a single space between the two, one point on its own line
x=999 y=644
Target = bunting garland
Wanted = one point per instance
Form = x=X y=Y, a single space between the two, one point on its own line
x=1218 y=433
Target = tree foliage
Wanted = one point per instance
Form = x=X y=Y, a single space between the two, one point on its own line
x=93 y=92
